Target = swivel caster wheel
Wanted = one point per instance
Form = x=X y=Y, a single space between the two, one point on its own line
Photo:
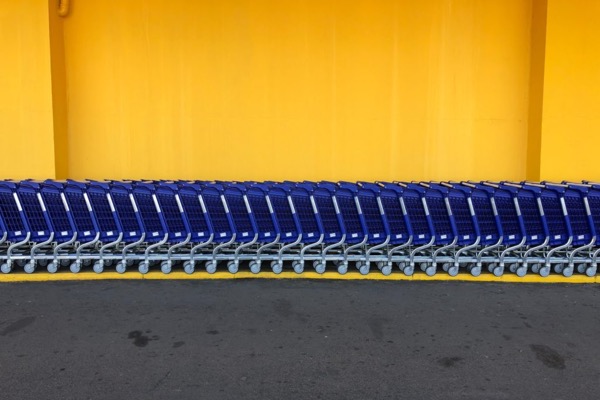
x=211 y=267
x=166 y=267
x=255 y=267
x=20 y=262
x=591 y=271
x=498 y=271
x=277 y=267
x=342 y=268
x=75 y=267
x=364 y=268
x=476 y=270
x=98 y=267
x=431 y=270
x=544 y=271
x=319 y=267
x=233 y=266
x=535 y=268
x=581 y=268
x=513 y=267
x=401 y=265
x=559 y=268
x=521 y=271
x=5 y=268
x=424 y=266
x=144 y=267
x=568 y=271
x=29 y=267
x=298 y=266
x=386 y=269
x=52 y=267
x=446 y=267
x=453 y=270
x=491 y=267
x=189 y=267
x=65 y=263
x=359 y=265
x=87 y=262
x=409 y=270
x=121 y=267
x=42 y=263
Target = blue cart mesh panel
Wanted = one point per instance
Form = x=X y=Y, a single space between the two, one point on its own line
x=354 y=228
x=260 y=209
x=285 y=218
x=81 y=215
x=531 y=218
x=240 y=216
x=462 y=218
x=104 y=216
x=33 y=212
x=557 y=225
x=306 y=216
x=417 y=217
x=56 y=211
x=193 y=211
x=393 y=211
x=329 y=218
x=126 y=212
x=372 y=216
x=216 y=211
x=150 y=216
x=594 y=202
x=171 y=213
x=485 y=217
x=10 y=213
x=440 y=218
x=578 y=218
x=508 y=217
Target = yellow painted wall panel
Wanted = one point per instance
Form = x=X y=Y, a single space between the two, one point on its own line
x=26 y=121
x=307 y=89
x=571 y=113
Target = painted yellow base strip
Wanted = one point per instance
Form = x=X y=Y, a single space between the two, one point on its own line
x=332 y=275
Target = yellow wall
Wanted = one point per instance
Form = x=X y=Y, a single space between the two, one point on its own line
x=26 y=121
x=312 y=89
x=571 y=116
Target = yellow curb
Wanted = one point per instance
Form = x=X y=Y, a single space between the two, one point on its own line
x=353 y=275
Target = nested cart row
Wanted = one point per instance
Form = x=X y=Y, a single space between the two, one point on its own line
x=502 y=226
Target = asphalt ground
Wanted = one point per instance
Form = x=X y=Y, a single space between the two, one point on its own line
x=298 y=339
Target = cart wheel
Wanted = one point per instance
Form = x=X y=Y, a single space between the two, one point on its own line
x=52 y=267
x=233 y=266
x=21 y=262
x=65 y=263
x=513 y=267
x=591 y=271
x=380 y=264
x=144 y=267
x=453 y=270
x=544 y=271
x=121 y=267
x=75 y=267
x=42 y=263
x=188 y=267
x=521 y=271
x=498 y=271
x=364 y=268
x=29 y=267
x=255 y=267
x=535 y=268
x=476 y=270
x=319 y=267
x=568 y=271
x=424 y=266
x=342 y=268
x=211 y=267
x=277 y=267
x=446 y=266
x=98 y=267
x=491 y=267
x=298 y=266
x=87 y=262
x=166 y=267
x=359 y=265
x=401 y=265
x=386 y=269
x=5 y=268
x=431 y=270
x=581 y=268
x=559 y=268
x=409 y=270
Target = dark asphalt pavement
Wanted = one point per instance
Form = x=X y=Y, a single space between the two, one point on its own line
x=260 y=339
